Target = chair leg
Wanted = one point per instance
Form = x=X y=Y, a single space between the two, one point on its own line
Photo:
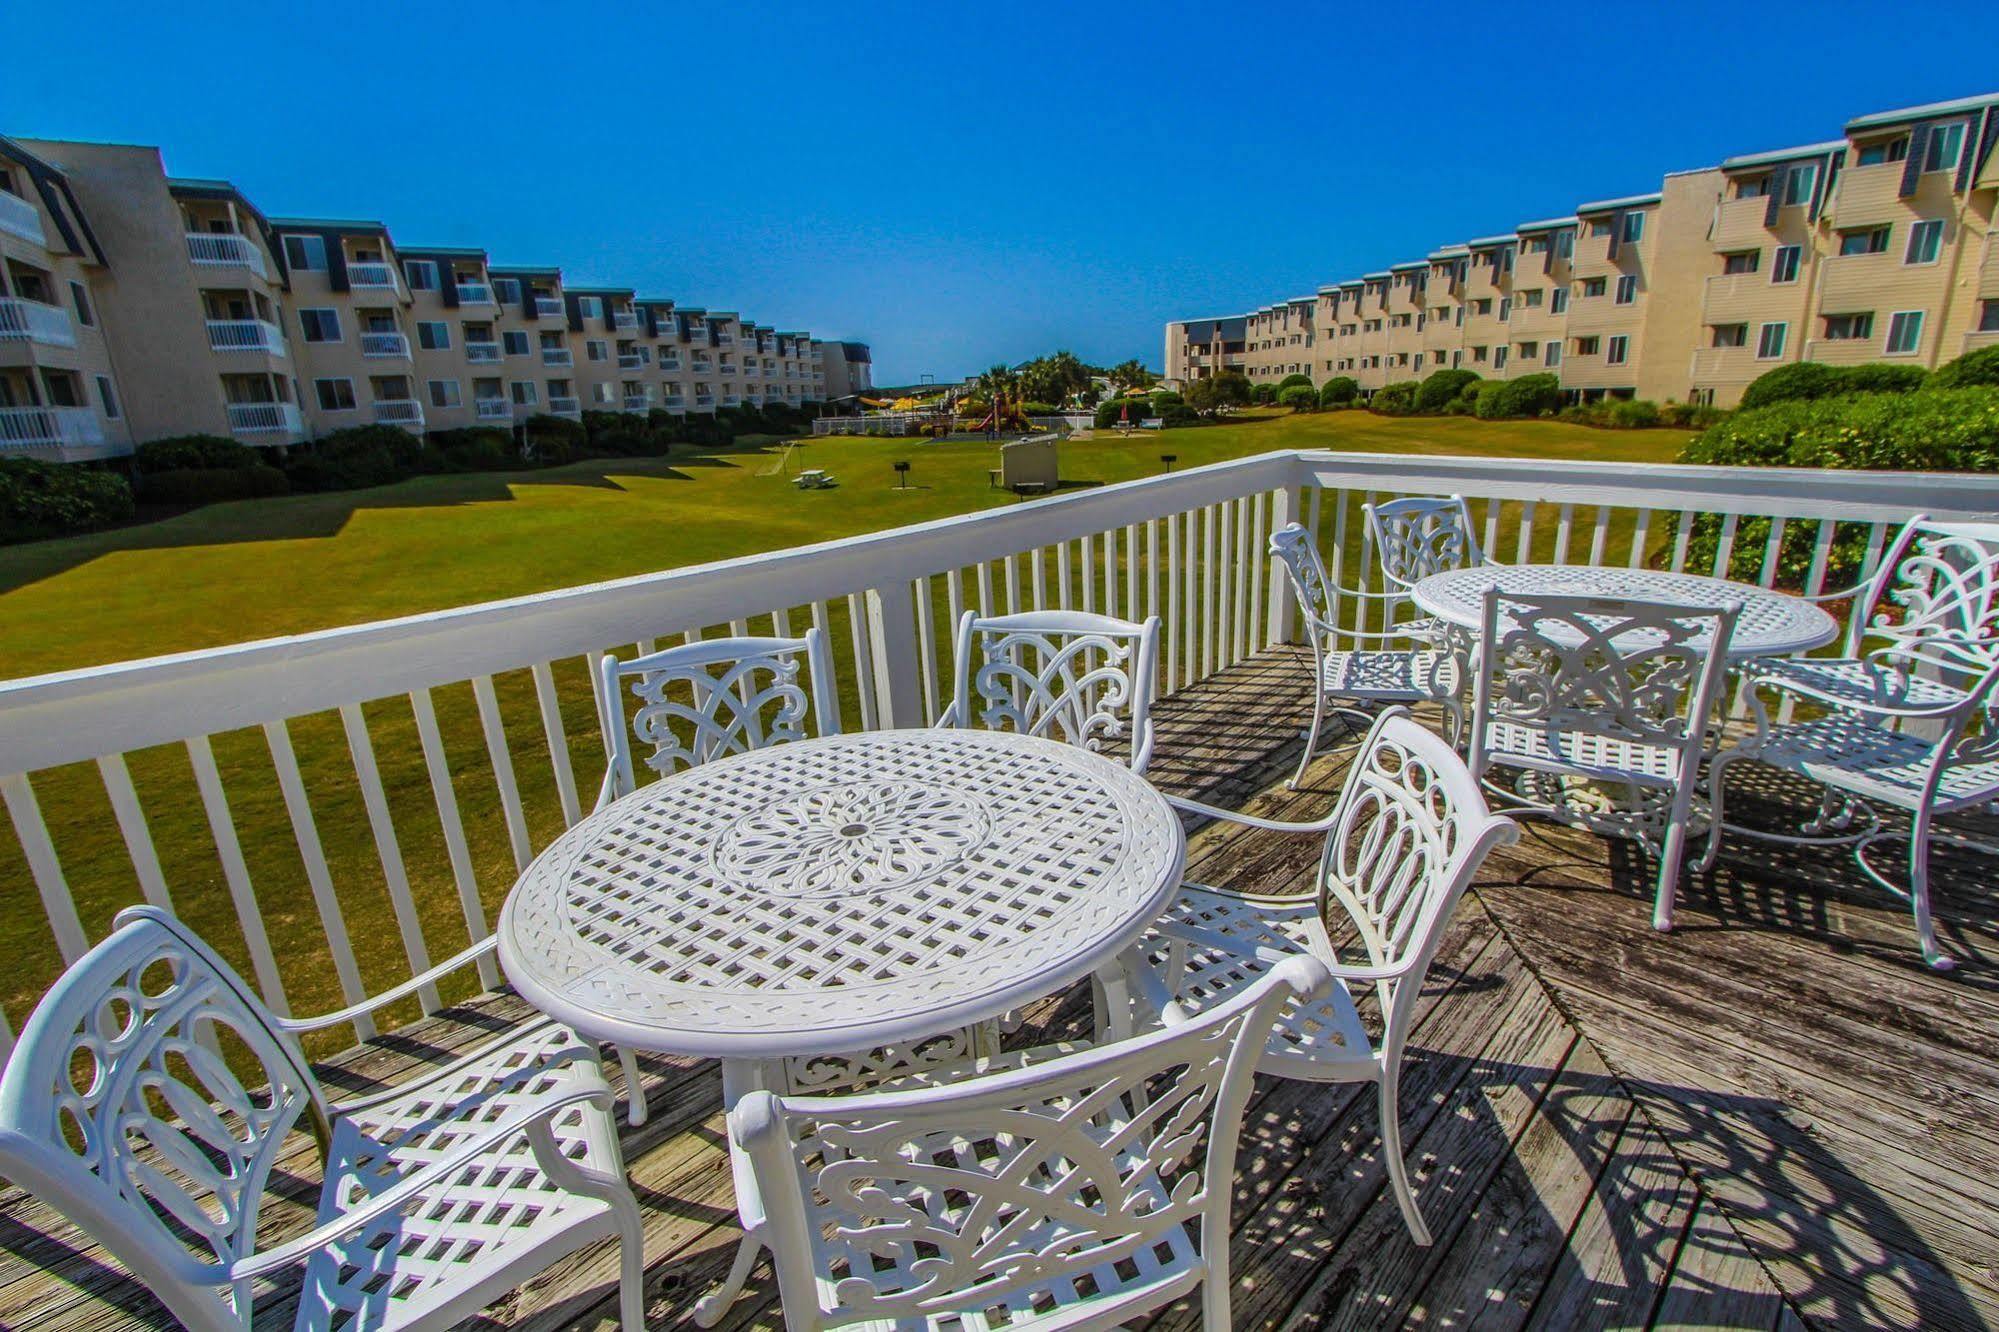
x=1671 y=853
x=1311 y=736
x=1391 y=1150
x=631 y=1272
x=708 y=1310
x=1919 y=894
x=635 y=1088
x=1717 y=777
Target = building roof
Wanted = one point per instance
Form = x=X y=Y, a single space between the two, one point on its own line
x=440 y=252
x=1909 y=113
x=1545 y=224
x=1612 y=205
x=600 y=291
x=1450 y=252
x=1492 y=242
x=1412 y=265
x=1352 y=282
x=1747 y=160
x=510 y=271
x=356 y=226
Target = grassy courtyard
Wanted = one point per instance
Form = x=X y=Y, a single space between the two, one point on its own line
x=256 y=569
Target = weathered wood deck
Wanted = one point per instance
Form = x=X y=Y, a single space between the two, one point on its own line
x=1774 y=1116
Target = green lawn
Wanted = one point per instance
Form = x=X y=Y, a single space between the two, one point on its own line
x=255 y=569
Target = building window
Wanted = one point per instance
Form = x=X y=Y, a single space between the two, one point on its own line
x=1849 y=327
x=1944 y=147
x=108 y=398
x=1770 y=341
x=1565 y=244
x=1742 y=261
x=1620 y=346
x=507 y=291
x=1499 y=358
x=1988 y=317
x=421 y=274
x=1634 y=228
x=589 y=307
x=1505 y=308
x=444 y=393
x=1595 y=286
x=1867 y=240
x=1558 y=300
x=1925 y=242
x=1905 y=333
x=1731 y=335
x=433 y=334
x=335 y=395
x=1882 y=150
x=524 y=392
x=1627 y=289
x=1588 y=346
x=319 y=324
x=306 y=254
x=81 y=300
x=1784 y=264
x=1531 y=298
x=1798 y=183
x=516 y=341
x=594 y=349
x=1551 y=355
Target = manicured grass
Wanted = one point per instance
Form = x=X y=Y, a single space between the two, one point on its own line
x=241 y=571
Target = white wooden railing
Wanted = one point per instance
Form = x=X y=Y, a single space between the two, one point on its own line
x=371 y=273
x=482 y=353
x=548 y=307
x=418 y=764
x=20 y=218
x=266 y=418
x=404 y=412
x=49 y=427
x=475 y=293
x=225 y=249
x=381 y=345
x=31 y=321
x=259 y=335
x=494 y=409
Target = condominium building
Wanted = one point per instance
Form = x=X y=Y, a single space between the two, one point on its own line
x=846 y=368
x=1875 y=246
x=135 y=305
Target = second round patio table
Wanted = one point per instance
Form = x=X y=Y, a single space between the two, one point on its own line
x=835 y=894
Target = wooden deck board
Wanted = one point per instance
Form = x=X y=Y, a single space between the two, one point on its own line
x=1775 y=1117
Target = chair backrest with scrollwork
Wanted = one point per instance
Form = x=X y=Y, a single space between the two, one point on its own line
x=706 y=699
x=1292 y=545
x=1409 y=834
x=1072 y=676
x=1933 y=604
x=127 y=1105
x=1087 y=1177
x=1423 y=535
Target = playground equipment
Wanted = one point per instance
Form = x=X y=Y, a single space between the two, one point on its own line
x=1028 y=466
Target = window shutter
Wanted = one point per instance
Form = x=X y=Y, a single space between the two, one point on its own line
x=1912 y=165
x=1616 y=234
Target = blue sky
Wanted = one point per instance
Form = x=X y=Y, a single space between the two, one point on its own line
x=962 y=185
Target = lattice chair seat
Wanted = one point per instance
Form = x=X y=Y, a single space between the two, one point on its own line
x=1879 y=681
x=1408 y=834
x=1050 y=1189
x=151 y=1097
x=1410 y=677
x=1587 y=754
x=1866 y=759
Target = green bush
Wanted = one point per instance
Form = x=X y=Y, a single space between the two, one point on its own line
x=1299 y=398
x=1293 y=381
x=1263 y=395
x=1180 y=414
x=178 y=453
x=1398 y=399
x=1442 y=388
x=1631 y=414
x=477 y=449
x=1799 y=382
x=212 y=485
x=371 y=455
x=1807 y=380
x=1038 y=409
x=550 y=441
x=1928 y=430
x=1227 y=389
x=1339 y=391
x=1107 y=412
x=39 y=499
x=1970 y=370
x=1531 y=395
x=1882 y=377
x=1490 y=399
x=1163 y=398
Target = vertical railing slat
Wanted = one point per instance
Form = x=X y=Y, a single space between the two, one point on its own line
x=502 y=759
x=829 y=715
x=133 y=828
x=926 y=647
x=558 y=741
x=43 y=866
x=864 y=672
x=318 y=878
x=236 y=874
x=375 y=800
x=456 y=850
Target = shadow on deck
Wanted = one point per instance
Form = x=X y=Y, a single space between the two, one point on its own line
x=1774 y=1115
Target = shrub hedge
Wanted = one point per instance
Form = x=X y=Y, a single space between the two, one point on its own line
x=1970 y=370
x=1442 y=388
x=178 y=453
x=39 y=499
x=1339 y=391
x=1803 y=381
x=1298 y=397
x=1293 y=381
x=1397 y=399
x=212 y=485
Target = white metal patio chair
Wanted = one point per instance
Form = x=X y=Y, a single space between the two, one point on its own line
x=1408 y=834
x=1575 y=694
x=705 y=699
x=1420 y=536
x=1392 y=665
x=1903 y=719
x=1056 y=1188
x=1067 y=675
x=130 y=1105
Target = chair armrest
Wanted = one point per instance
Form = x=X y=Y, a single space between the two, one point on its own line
x=1338 y=631
x=1194 y=934
x=482 y=1140
x=1181 y=803
x=390 y=996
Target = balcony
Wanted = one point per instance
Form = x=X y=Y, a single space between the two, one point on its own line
x=624 y=319
x=404 y=412
x=31 y=321
x=383 y=346
x=1747 y=298
x=669 y=363
x=482 y=353
x=1632 y=1126
x=565 y=406
x=45 y=430
x=20 y=218
x=704 y=400
x=493 y=409
x=211 y=249
x=631 y=361
x=548 y=307
x=370 y=275
x=475 y=293
x=725 y=339
x=251 y=335
x=266 y=422
x=557 y=356
x=637 y=402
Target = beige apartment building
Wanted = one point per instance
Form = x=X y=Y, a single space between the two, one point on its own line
x=135 y=305
x=1875 y=246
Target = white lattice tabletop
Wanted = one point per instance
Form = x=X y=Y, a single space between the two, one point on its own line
x=1772 y=623
x=838 y=893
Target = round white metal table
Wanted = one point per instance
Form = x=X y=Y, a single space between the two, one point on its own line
x=835 y=894
x=1772 y=623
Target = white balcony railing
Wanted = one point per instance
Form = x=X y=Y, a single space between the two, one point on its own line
x=637 y=402
x=631 y=361
x=624 y=319
x=224 y=249
x=1189 y=547
x=256 y=419
x=548 y=307
x=725 y=339
x=565 y=406
x=704 y=400
x=669 y=363
x=382 y=345
x=371 y=275
x=557 y=356
x=475 y=293
x=404 y=412
x=20 y=218
x=482 y=353
x=23 y=428
x=494 y=409
x=252 y=335
x=31 y=321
